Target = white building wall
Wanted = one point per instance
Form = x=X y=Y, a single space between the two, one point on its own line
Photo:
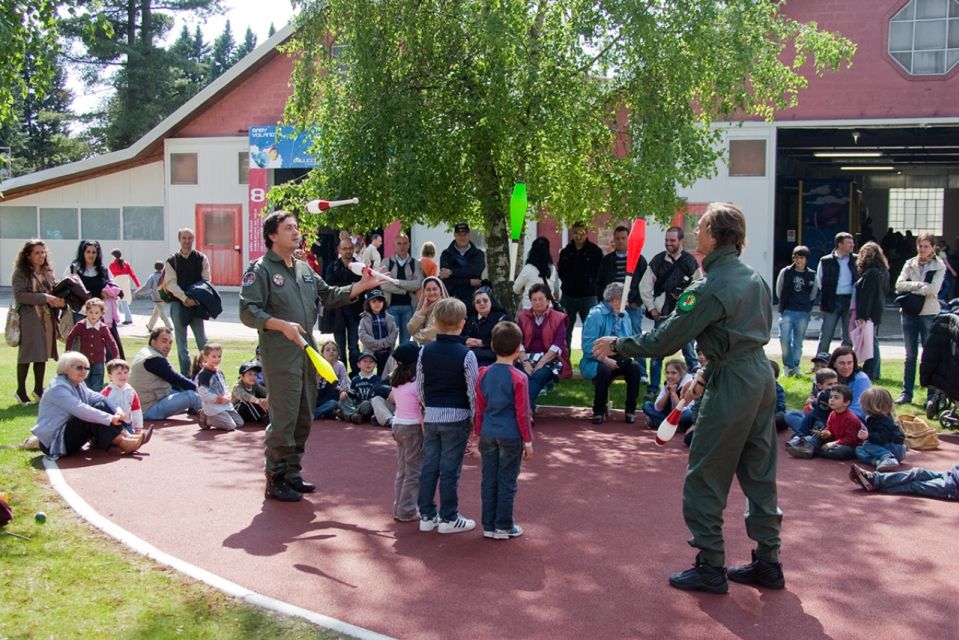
x=139 y=186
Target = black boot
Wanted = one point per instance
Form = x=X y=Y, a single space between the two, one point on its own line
x=278 y=489
x=300 y=485
x=760 y=573
x=702 y=577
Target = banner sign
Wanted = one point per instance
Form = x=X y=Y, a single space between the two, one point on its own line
x=273 y=147
x=259 y=185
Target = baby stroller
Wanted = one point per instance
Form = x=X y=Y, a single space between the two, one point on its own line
x=939 y=370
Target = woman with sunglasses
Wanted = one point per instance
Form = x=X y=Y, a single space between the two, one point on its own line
x=71 y=415
x=478 y=331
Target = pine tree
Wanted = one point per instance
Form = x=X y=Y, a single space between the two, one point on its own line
x=221 y=58
x=271 y=31
x=248 y=45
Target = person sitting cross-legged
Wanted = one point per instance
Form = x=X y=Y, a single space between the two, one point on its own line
x=163 y=392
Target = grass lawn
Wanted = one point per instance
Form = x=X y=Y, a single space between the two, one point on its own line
x=70 y=579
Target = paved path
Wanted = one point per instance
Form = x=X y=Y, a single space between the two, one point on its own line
x=601 y=509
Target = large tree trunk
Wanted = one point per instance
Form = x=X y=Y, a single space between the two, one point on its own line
x=494 y=216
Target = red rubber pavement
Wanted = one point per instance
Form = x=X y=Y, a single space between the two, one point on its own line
x=601 y=508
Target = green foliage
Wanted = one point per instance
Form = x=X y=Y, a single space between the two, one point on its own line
x=221 y=58
x=429 y=112
x=245 y=47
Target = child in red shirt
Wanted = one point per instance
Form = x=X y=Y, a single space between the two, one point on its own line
x=838 y=441
x=96 y=341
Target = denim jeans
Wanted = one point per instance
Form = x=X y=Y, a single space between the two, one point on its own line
x=917 y=481
x=838 y=316
x=94 y=379
x=176 y=402
x=792 y=330
x=839 y=452
x=409 y=463
x=326 y=410
x=576 y=306
x=656 y=364
x=444 y=444
x=915 y=331
x=179 y=333
x=501 y=462
x=875 y=453
x=402 y=314
x=125 y=310
x=539 y=379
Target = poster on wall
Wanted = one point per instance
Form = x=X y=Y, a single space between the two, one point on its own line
x=824 y=213
x=259 y=186
x=275 y=147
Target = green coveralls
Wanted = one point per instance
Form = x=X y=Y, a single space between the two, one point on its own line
x=273 y=290
x=729 y=314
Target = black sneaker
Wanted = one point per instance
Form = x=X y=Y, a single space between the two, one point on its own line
x=759 y=572
x=702 y=577
x=300 y=485
x=278 y=489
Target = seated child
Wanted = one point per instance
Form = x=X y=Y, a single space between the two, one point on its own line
x=816 y=409
x=356 y=407
x=503 y=422
x=123 y=395
x=329 y=394
x=780 y=415
x=838 y=441
x=217 y=411
x=884 y=447
x=249 y=396
x=377 y=331
x=669 y=395
x=687 y=421
x=917 y=481
x=96 y=341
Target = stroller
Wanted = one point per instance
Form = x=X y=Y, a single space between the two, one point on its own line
x=939 y=369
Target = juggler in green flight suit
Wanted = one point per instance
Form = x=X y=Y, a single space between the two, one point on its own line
x=729 y=314
x=280 y=297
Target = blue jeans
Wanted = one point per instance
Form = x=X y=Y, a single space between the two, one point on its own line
x=539 y=379
x=402 y=314
x=875 y=453
x=179 y=333
x=176 y=402
x=94 y=379
x=840 y=452
x=125 y=310
x=444 y=444
x=915 y=331
x=501 y=462
x=656 y=364
x=792 y=330
x=917 y=481
x=839 y=315
x=326 y=409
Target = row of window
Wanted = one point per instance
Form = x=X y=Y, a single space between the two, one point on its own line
x=67 y=223
x=918 y=210
x=184 y=168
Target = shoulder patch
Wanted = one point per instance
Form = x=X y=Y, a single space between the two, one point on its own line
x=249 y=278
x=687 y=301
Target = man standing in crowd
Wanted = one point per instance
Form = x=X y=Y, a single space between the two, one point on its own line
x=279 y=298
x=183 y=269
x=462 y=265
x=578 y=269
x=163 y=392
x=612 y=268
x=835 y=278
x=669 y=273
x=346 y=319
x=401 y=297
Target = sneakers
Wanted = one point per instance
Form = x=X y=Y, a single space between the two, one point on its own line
x=459 y=525
x=356 y=418
x=506 y=534
x=202 y=421
x=702 y=577
x=802 y=450
x=795 y=441
x=428 y=524
x=598 y=418
x=903 y=399
x=887 y=464
x=489 y=534
x=861 y=477
x=630 y=418
x=759 y=572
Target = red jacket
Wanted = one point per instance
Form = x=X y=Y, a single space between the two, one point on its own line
x=551 y=323
x=94 y=342
x=844 y=427
x=520 y=402
x=117 y=270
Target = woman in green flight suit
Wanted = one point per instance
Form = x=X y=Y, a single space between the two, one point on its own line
x=729 y=314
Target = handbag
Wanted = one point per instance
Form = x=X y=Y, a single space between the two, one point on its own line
x=911 y=303
x=11 y=331
x=919 y=435
x=65 y=326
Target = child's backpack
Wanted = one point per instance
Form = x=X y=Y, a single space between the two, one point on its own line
x=919 y=435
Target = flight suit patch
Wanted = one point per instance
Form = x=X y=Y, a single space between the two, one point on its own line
x=687 y=301
x=308 y=278
x=249 y=278
x=278 y=279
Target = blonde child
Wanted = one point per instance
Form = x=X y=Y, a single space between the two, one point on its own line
x=217 y=411
x=676 y=380
x=122 y=394
x=884 y=443
x=95 y=341
x=249 y=396
x=329 y=394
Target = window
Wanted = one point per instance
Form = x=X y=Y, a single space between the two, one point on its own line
x=102 y=224
x=18 y=222
x=747 y=158
x=143 y=223
x=183 y=168
x=918 y=210
x=243 y=166
x=59 y=224
x=924 y=36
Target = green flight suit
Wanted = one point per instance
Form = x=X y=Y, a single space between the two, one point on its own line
x=273 y=290
x=729 y=314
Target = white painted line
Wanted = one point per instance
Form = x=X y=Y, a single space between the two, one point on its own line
x=143 y=547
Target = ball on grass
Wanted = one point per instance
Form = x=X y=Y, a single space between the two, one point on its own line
x=40 y=517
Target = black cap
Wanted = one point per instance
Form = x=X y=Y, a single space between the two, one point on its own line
x=822 y=356
x=406 y=353
x=249 y=366
x=375 y=293
x=462 y=227
x=366 y=354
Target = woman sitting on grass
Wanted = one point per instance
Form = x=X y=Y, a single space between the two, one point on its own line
x=70 y=414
